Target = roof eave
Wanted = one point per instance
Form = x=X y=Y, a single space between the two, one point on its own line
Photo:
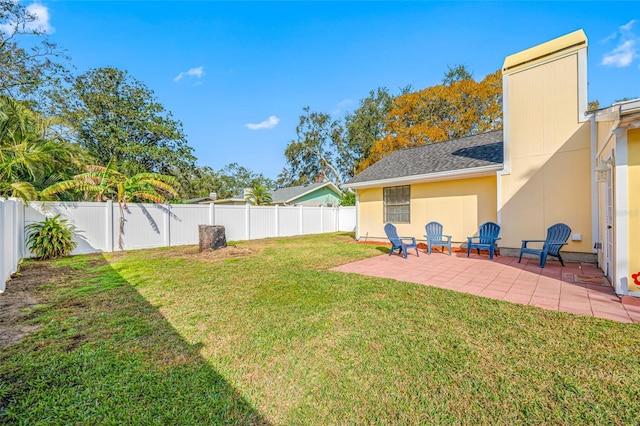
x=429 y=177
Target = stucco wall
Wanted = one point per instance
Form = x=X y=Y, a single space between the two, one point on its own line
x=550 y=170
x=459 y=205
x=633 y=140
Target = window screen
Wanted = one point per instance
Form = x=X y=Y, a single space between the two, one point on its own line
x=396 y=204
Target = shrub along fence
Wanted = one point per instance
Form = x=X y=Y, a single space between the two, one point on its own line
x=97 y=225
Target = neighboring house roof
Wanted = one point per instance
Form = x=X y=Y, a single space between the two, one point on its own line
x=199 y=200
x=290 y=194
x=287 y=195
x=465 y=156
x=234 y=199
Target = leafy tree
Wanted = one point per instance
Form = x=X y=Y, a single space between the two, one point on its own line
x=313 y=153
x=117 y=119
x=31 y=156
x=348 y=199
x=441 y=113
x=259 y=195
x=233 y=179
x=25 y=71
x=456 y=74
x=198 y=182
x=106 y=183
x=363 y=128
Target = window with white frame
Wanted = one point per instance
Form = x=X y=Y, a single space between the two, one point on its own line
x=397 y=200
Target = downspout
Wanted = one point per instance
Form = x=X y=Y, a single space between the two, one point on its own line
x=357 y=214
x=595 y=211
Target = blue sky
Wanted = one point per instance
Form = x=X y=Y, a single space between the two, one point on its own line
x=237 y=75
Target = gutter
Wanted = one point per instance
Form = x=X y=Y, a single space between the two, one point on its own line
x=429 y=177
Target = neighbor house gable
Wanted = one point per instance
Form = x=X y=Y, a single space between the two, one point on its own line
x=319 y=192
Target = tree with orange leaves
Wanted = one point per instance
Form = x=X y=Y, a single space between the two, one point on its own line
x=458 y=107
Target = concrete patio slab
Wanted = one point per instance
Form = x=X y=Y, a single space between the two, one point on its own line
x=568 y=289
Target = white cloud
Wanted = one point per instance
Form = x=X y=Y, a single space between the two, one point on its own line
x=626 y=51
x=341 y=106
x=628 y=25
x=40 y=24
x=610 y=37
x=193 y=72
x=269 y=123
x=622 y=56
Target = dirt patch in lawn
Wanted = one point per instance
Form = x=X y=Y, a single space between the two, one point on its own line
x=20 y=298
x=211 y=255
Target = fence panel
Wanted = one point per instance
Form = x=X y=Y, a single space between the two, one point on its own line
x=312 y=220
x=233 y=218
x=89 y=220
x=329 y=220
x=347 y=219
x=144 y=226
x=262 y=222
x=288 y=221
x=185 y=221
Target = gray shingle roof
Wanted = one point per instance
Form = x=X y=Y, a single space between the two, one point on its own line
x=285 y=194
x=457 y=154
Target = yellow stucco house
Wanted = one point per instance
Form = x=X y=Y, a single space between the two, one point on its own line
x=553 y=162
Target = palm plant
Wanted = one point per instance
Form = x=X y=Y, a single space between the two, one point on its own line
x=51 y=238
x=259 y=195
x=30 y=157
x=105 y=183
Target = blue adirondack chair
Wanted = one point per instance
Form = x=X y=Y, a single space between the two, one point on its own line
x=557 y=236
x=397 y=242
x=486 y=239
x=435 y=238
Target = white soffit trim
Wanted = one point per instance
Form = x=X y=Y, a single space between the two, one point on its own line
x=429 y=177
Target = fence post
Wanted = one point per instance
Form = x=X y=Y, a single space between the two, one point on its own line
x=15 y=245
x=338 y=211
x=109 y=224
x=321 y=219
x=357 y=216
x=3 y=277
x=301 y=219
x=212 y=214
x=167 y=226
x=21 y=237
x=277 y=233
x=247 y=223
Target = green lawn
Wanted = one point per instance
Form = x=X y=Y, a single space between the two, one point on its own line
x=167 y=336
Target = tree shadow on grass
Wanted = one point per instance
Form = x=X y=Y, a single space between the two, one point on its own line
x=103 y=354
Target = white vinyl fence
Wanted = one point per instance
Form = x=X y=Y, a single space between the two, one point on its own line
x=11 y=238
x=160 y=225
